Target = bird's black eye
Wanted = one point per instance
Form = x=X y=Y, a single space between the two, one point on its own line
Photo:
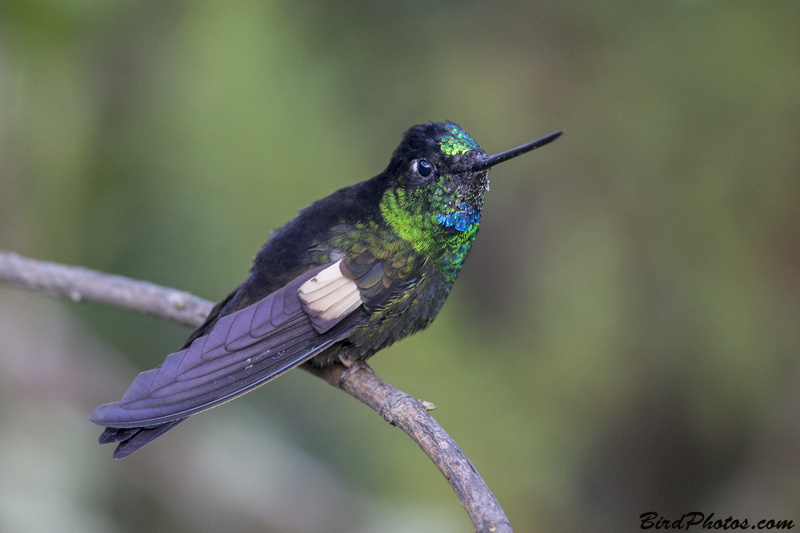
x=424 y=168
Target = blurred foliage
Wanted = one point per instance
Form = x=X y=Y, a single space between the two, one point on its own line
x=624 y=337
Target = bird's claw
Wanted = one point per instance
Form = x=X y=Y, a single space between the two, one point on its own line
x=349 y=370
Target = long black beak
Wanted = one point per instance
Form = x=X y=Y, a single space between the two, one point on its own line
x=492 y=160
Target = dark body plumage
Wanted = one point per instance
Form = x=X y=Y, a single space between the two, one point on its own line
x=351 y=274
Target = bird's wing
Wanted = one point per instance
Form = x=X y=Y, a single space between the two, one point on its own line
x=241 y=351
x=360 y=279
x=378 y=277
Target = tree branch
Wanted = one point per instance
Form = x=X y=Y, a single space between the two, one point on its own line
x=396 y=407
x=78 y=283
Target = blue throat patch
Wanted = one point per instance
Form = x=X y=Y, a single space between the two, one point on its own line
x=460 y=220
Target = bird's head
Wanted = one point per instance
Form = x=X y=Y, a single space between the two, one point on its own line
x=441 y=177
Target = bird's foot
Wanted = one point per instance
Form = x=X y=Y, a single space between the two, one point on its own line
x=351 y=368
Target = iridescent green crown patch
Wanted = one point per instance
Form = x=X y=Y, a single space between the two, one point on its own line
x=457 y=142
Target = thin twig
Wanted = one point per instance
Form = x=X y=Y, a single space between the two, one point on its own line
x=409 y=414
x=395 y=406
x=78 y=283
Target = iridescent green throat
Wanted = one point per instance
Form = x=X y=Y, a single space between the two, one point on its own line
x=404 y=213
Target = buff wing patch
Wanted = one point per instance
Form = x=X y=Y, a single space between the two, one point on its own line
x=329 y=297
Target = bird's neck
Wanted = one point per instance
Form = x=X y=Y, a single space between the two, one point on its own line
x=443 y=239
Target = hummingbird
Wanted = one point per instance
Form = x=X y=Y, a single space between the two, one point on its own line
x=351 y=274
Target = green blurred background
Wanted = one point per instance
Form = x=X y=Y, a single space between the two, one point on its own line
x=624 y=337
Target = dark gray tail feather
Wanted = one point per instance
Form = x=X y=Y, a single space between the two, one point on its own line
x=131 y=439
